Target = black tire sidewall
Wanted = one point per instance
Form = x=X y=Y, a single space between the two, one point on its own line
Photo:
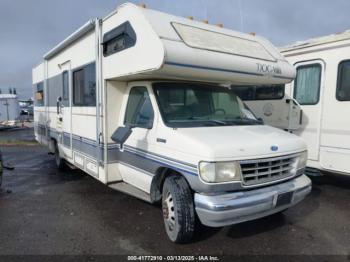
x=183 y=208
x=58 y=160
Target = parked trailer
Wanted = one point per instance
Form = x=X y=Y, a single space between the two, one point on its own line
x=9 y=108
x=322 y=92
x=141 y=100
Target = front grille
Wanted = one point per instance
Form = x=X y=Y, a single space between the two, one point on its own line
x=266 y=170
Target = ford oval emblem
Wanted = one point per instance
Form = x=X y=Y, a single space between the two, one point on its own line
x=274 y=148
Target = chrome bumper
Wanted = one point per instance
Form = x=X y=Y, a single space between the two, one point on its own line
x=233 y=208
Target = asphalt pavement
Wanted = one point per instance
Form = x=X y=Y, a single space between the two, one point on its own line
x=48 y=212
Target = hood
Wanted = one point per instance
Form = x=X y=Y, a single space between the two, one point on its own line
x=236 y=142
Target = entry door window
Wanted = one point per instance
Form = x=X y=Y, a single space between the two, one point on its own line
x=343 y=86
x=65 y=82
x=307 y=84
x=139 y=111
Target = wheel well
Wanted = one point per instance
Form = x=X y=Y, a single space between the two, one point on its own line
x=158 y=181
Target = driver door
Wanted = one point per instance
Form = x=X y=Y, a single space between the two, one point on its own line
x=139 y=114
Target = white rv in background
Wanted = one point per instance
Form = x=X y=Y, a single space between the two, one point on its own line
x=9 y=108
x=142 y=101
x=322 y=91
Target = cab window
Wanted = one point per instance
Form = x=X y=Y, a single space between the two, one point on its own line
x=139 y=111
x=265 y=92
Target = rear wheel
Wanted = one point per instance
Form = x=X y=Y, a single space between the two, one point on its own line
x=178 y=209
x=60 y=163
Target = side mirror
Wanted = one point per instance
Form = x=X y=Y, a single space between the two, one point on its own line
x=121 y=134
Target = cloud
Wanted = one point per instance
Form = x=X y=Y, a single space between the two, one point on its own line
x=31 y=28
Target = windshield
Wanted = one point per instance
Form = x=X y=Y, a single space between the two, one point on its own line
x=195 y=105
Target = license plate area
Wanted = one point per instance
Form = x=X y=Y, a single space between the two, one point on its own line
x=284 y=199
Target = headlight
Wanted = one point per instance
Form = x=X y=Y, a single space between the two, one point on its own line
x=220 y=171
x=302 y=160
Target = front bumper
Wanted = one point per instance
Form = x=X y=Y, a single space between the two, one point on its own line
x=233 y=208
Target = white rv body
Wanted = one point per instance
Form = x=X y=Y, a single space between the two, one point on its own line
x=323 y=121
x=326 y=125
x=135 y=48
x=9 y=108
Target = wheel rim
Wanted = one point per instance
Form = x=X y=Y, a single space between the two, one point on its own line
x=169 y=211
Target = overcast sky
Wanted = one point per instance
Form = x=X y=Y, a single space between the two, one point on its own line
x=29 y=28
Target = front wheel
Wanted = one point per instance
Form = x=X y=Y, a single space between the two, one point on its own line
x=178 y=209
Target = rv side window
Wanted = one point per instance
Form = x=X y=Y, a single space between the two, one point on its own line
x=343 y=85
x=39 y=94
x=307 y=84
x=119 y=39
x=84 y=86
x=248 y=93
x=65 y=83
x=139 y=111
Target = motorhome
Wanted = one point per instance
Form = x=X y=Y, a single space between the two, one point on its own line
x=321 y=91
x=9 y=108
x=142 y=101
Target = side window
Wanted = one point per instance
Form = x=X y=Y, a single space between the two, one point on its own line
x=343 y=84
x=119 y=39
x=307 y=84
x=84 y=86
x=65 y=83
x=39 y=94
x=139 y=111
x=248 y=93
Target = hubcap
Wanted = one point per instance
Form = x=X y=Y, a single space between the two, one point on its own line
x=169 y=211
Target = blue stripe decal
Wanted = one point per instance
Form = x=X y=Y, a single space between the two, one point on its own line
x=131 y=150
x=212 y=68
x=222 y=70
x=188 y=170
x=173 y=167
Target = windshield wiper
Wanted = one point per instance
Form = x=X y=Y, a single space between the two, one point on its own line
x=212 y=121
x=248 y=120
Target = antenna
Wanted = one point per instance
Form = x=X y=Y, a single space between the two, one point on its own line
x=241 y=14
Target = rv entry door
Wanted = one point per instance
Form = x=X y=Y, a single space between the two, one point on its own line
x=64 y=110
x=307 y=89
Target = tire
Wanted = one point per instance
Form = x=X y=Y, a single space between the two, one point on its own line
x=178 y=209
x=60 y=163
